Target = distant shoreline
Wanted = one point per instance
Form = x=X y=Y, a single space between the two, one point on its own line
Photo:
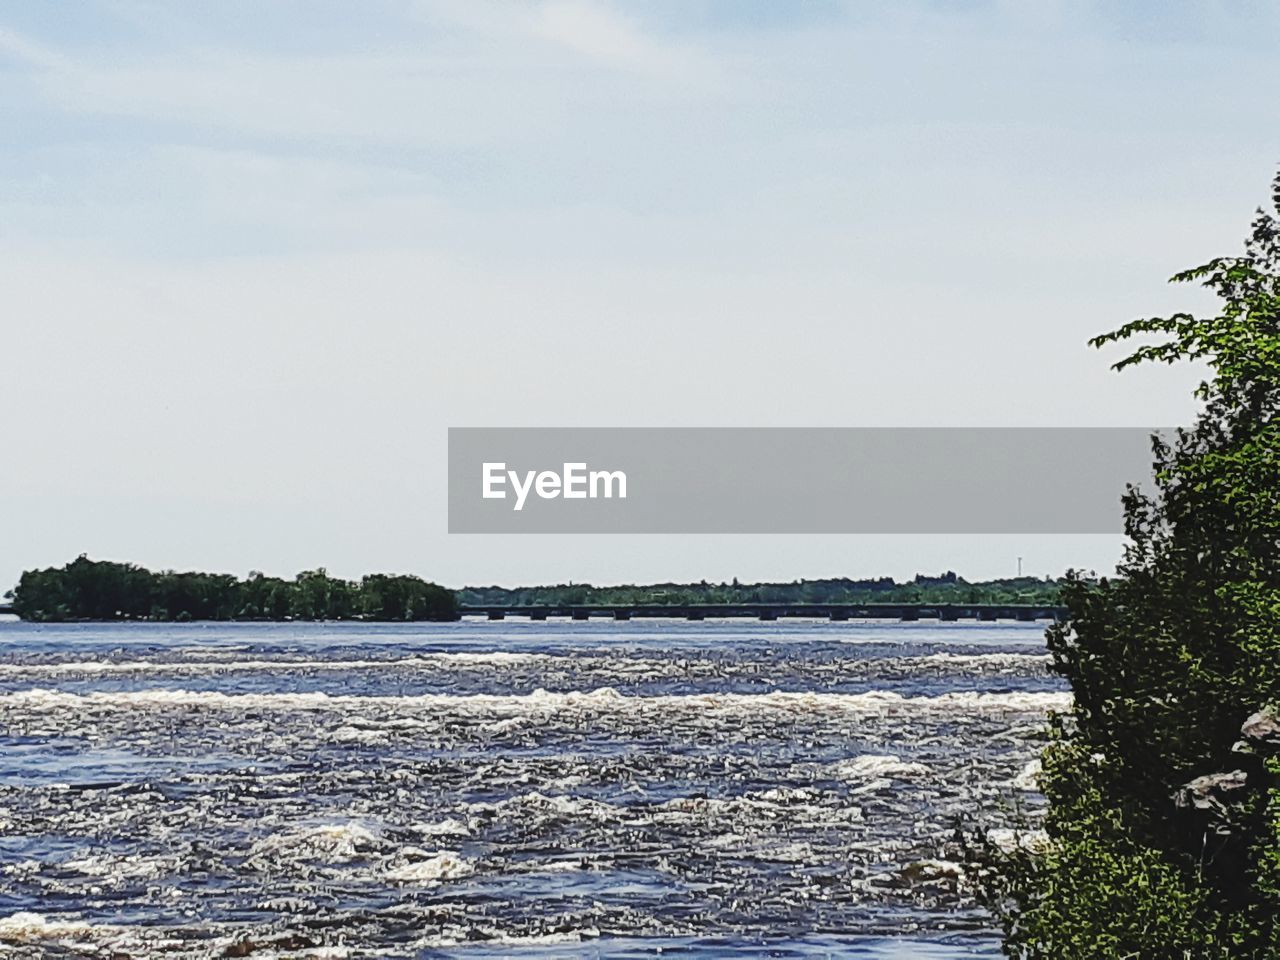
x=86 y=590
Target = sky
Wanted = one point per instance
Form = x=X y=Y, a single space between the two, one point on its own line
x=255 y=259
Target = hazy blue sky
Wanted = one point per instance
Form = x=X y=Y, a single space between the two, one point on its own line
x=256 y=257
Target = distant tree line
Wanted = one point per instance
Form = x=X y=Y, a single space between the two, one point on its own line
x=100 y=590
x=947 y=588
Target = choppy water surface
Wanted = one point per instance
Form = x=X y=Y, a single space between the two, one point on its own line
x=487 y=789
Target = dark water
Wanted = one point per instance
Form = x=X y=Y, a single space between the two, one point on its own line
x=482 y=789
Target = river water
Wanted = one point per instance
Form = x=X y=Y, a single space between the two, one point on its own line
x=476 y=789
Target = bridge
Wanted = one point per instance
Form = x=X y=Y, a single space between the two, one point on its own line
x=944 y=612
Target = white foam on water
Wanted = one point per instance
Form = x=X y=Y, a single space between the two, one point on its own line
x=209 y=665
x=1029 y=777
x=323 y=844
x=604 y=700
x=491 y=937
x=794 y=805
x=349 y=733
x=1009 y=840
x=430 y=867
x=506 y=725
x=445 y=828
x=768 y=849
x=24 y=932
x=874 y=767
x=999 y=661
x=539 y=806
x=27 y=926
x=116 y=868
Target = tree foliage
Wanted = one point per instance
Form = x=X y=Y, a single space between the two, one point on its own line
x=1162 y=781
x=945 y=588
x=99 y=590
x=96 y=590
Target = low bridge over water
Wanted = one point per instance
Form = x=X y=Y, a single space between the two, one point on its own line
x=946 y=612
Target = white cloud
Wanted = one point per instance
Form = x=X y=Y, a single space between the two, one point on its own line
x=606 y=36
x=467 y=76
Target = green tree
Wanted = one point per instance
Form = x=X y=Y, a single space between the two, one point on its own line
x=387 y=597
x=318 y=596
x=265 y=598
x=98 y=590
x=1164 y=812
x=84 y=590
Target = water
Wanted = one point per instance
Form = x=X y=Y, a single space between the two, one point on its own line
x=559 y=789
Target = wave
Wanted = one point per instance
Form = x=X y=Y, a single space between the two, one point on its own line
x=217 y=666
x=999 y=661
x=25 y=930
x=604 y=700
x=875 y=767
x=328 y=843
x=213 y=665
x=27 y=926
x=431 y=867
x=323 y=848
x=494 y=937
